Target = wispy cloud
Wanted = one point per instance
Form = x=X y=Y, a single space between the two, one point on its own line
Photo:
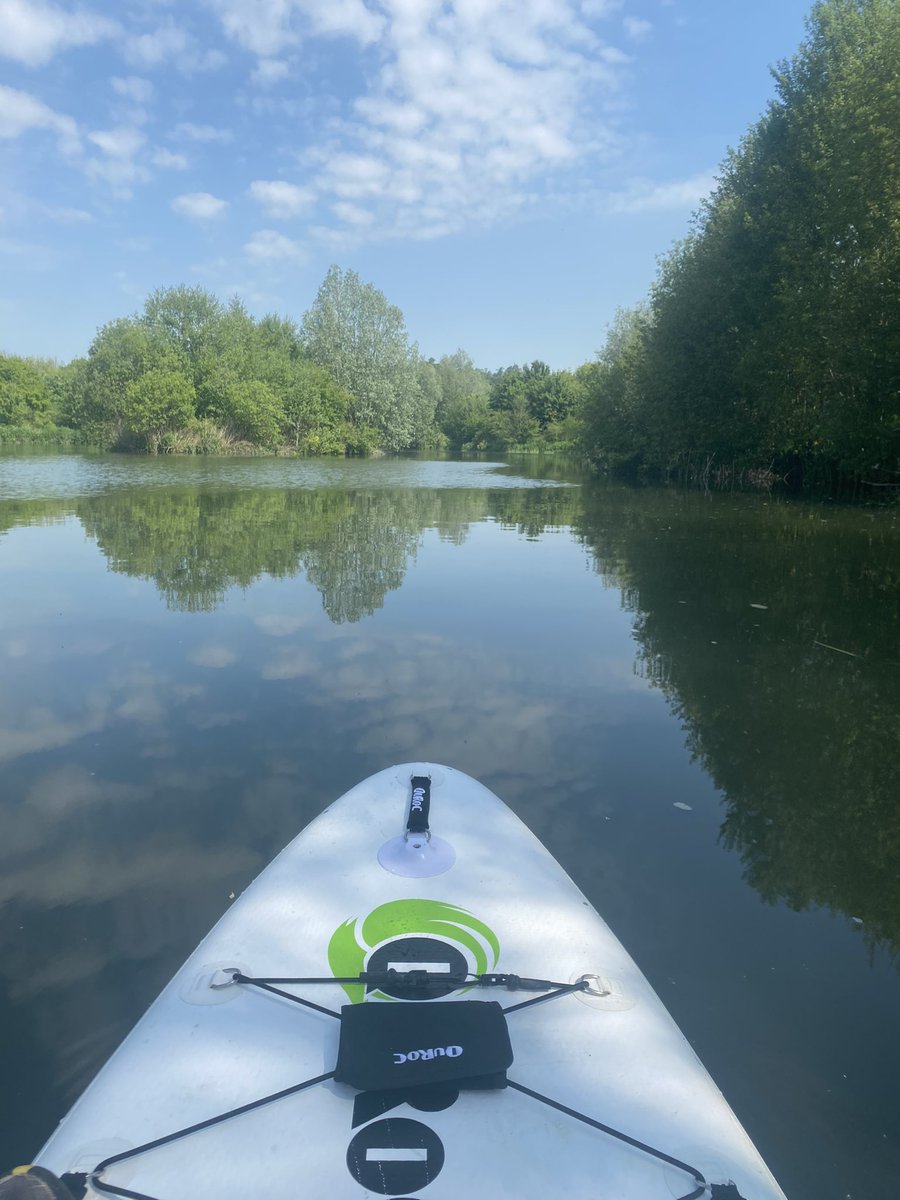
x=168 y=160
x=280 y=199
x=133 y=88
x=637 y=28
x=269 y=71
x=68 y=216
x=268 y=27
x=199 y=206
x=117 y=165
x=21 y=112
x=269 y=246
x=157 y=46
x=170 y=44
x=644 y=196
x=190 y=132
x=118 y=143
x=473 y=105
x=32 y=32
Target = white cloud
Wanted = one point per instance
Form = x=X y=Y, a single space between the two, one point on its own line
x=131 y=87
x=117 y=167
x=69 y=216
x=34 y=32
x=165 y=43
x=267 y=245
x=118 y=143
x=655 y=197
x=476 y=107
x=170 y=45
x=269 y=70
x=267 y=27
x=167 y=160
x=352 y=214
x=280 y=199
x=201 y=133
x=20 y=112
x=199 y=206
x=637 y=28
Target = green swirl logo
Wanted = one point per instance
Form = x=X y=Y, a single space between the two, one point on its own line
x=352 y=941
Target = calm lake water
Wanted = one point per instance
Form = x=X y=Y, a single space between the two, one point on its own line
x=694 y=701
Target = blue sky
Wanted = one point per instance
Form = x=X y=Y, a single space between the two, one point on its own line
x=506 y=171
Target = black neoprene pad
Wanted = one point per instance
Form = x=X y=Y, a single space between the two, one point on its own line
x=461 y=1042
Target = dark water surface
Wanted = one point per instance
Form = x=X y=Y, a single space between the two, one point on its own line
x=196 y=657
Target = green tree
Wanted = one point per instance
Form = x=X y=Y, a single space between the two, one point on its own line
x=25 y=393
x=314 y=408
x=119 y=355
x=355 y=334
x=187 y=321
x=158 y=401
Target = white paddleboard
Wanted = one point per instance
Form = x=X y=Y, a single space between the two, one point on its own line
x=605 y=1099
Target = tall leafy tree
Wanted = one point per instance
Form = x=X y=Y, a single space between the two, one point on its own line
x=354 y=333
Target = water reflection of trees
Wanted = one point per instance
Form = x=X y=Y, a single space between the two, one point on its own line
x=353 y=546
x=773 y=631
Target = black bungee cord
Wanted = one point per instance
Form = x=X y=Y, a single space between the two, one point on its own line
x=421 y=981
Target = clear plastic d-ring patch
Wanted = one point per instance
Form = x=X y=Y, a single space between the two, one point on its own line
x=417 y=856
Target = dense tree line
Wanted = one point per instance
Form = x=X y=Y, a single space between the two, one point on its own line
x=771 y=338
x=189 y=374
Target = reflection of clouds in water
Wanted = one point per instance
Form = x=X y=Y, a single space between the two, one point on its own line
x=36 y=729
x=53 y=804
x=73 y=788
x=89 y=645
x=428 y=696
x=618 y=670
x=280 y=624
x=433 y=697
x=94 y=878
x=147 y=693
x=215 y=720
x=213 y=654
x=291 y=664
x=52 y=850
x=43 y=651
x=135 y=692
x=100 y=876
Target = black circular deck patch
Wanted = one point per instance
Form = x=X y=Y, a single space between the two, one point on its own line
x=417 y=951
x=395 y=1155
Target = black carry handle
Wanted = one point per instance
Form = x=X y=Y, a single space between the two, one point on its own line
x=419 y=804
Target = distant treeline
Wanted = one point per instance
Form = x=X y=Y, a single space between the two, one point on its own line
x=191 y=375
x=770 y=341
